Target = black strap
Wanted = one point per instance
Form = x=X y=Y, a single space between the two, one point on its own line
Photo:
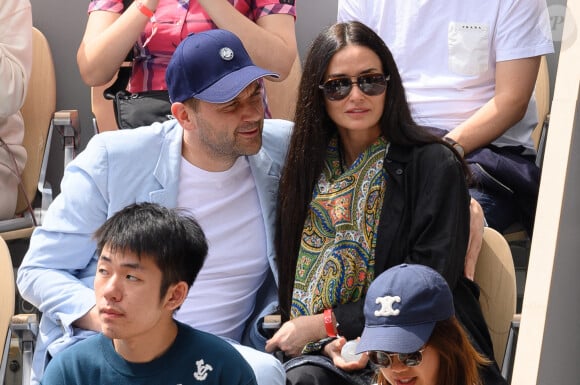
x=124 y=73
x=126 y=4
x=119 y=85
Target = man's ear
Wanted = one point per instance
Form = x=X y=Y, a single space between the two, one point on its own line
x=176 y=295
x=180 y=112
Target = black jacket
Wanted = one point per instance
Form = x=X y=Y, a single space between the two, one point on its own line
x=425 y=220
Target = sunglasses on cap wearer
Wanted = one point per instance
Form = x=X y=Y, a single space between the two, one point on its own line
x=384 y=360
x=338 y=88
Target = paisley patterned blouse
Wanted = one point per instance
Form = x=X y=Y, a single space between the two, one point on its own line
x=336 y=257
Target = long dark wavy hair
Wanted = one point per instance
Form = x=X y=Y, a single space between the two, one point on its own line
x=314 y=128
x=459 y=362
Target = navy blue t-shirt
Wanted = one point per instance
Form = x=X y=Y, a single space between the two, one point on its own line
x=195 y=357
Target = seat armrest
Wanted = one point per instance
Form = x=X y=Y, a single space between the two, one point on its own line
x=507 y=366
x=25 y=327
x=67 y=124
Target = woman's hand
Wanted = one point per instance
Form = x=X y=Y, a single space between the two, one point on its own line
x=296 y=333
x=333 y=350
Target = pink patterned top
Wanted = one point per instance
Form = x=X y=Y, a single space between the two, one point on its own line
x=175 y=20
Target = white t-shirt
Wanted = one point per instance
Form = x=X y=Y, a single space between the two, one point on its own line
x=226 y=206
x=446 y=52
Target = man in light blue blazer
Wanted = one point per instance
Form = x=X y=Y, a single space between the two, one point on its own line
x=217 y=159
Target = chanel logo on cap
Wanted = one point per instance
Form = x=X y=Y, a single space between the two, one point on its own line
x=226 y=53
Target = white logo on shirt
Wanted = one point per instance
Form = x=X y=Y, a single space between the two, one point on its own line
x=202 y=370
x=387 y=306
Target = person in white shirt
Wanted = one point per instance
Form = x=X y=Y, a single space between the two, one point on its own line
x=469 y=69
x=220 y=160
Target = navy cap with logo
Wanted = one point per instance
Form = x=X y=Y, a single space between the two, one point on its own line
x=212 y=66
x=402 y=306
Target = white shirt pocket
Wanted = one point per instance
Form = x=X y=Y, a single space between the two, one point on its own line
x=468 y=48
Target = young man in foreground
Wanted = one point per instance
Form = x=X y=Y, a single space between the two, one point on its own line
x=149 y=257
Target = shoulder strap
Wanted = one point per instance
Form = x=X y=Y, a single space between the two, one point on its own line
x=119 y=85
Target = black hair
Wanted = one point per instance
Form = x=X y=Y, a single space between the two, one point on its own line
x=171 y=238
x=313 y=130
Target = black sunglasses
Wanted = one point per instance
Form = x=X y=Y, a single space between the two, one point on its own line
x=383 y=359
x=339 y=88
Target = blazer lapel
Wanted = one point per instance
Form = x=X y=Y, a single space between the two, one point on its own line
x=267 y=176
x=167 y=170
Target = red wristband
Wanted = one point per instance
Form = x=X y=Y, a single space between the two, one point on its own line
x=328 y=324
x=145 y=10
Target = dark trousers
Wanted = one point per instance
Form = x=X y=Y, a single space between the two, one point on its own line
x=505 y=183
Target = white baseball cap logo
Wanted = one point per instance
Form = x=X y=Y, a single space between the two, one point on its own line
x=386 y=303
x=226 y=53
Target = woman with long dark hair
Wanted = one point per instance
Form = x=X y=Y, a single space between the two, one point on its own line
x=364 y=188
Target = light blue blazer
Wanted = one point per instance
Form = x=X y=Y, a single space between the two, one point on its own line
x=117 y=169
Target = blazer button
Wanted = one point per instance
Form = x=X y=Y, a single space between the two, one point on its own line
x=399 y=171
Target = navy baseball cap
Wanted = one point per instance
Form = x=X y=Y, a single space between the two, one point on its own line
x=212 y=66
x=402 y=306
